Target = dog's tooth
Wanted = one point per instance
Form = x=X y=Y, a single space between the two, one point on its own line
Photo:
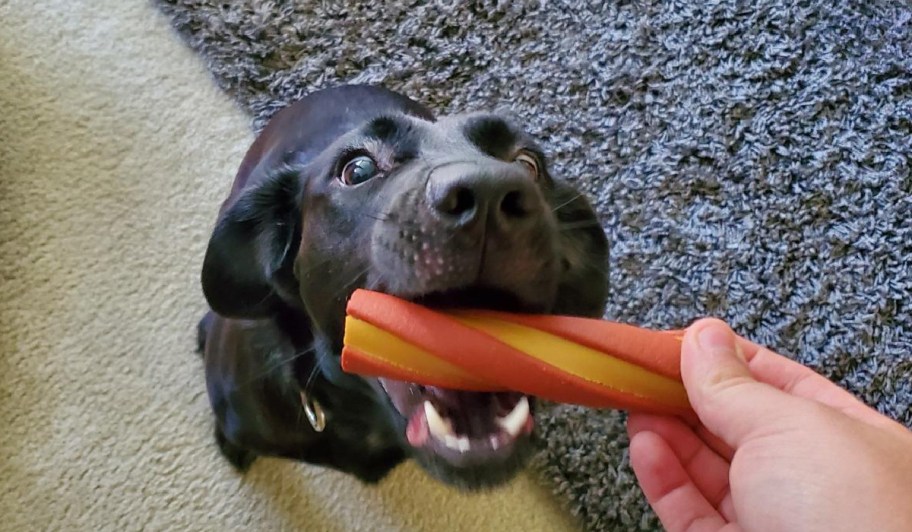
x=439 y=427
x=463 y=444
x=495 y=442
x=451 y=441
x=513 y=422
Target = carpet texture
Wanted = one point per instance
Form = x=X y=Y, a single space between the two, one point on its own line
x=116 y=150
x=750 y=160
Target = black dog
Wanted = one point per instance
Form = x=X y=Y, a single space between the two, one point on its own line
x=355 y=187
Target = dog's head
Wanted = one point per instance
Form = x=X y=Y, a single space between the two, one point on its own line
x=456 y=212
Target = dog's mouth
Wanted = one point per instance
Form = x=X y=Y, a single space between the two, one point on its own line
x=465 y=429
x=476 y=298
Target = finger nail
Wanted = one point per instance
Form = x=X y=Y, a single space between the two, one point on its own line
x=716 y=336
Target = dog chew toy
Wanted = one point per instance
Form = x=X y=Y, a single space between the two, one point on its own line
x=583 y=361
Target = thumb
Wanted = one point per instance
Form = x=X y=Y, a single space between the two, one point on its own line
x=726 y=397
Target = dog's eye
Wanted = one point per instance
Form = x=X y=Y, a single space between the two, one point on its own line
x=358 y=170
x=529 y=161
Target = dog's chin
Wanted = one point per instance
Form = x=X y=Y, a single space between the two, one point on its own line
x=471 y=440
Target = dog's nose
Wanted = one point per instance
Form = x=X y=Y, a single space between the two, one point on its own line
x=502 y=195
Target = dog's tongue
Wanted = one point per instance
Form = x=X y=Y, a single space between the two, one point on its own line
x=416 y=432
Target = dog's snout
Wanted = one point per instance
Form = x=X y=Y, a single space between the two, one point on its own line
x=505 y=197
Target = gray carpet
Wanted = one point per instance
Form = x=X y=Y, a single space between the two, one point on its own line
x=750 y=160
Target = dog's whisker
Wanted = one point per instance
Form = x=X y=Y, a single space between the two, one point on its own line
x=313 y=373
x=298 y=420
x=347 y=286
x=374 y=216
x=567 y=226
x=313 y=267
x=568 y=202
x=269 y=294
x=274 y=366
x=590 y=265
x=375 y=282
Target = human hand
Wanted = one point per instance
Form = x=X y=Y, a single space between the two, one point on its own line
x=778 y=447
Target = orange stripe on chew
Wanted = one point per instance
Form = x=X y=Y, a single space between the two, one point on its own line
x=478 y=353
x=368 y=353
x=656 y=351
x=581 y=361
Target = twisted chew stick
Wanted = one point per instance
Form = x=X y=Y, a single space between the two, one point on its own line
x=573 y=360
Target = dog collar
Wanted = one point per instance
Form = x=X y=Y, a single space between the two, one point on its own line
x=314 y=412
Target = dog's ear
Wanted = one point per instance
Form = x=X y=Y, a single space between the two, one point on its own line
x=247 y=272
x=583 y=288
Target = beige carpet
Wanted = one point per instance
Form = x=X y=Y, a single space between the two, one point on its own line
x=115 y=150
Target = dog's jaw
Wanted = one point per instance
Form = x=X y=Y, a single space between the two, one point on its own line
x=462 y=428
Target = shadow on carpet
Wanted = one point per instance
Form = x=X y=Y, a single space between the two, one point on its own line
x=749 y=160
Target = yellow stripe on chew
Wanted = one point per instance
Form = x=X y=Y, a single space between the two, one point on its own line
x=580 y=361
x=374 y=341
